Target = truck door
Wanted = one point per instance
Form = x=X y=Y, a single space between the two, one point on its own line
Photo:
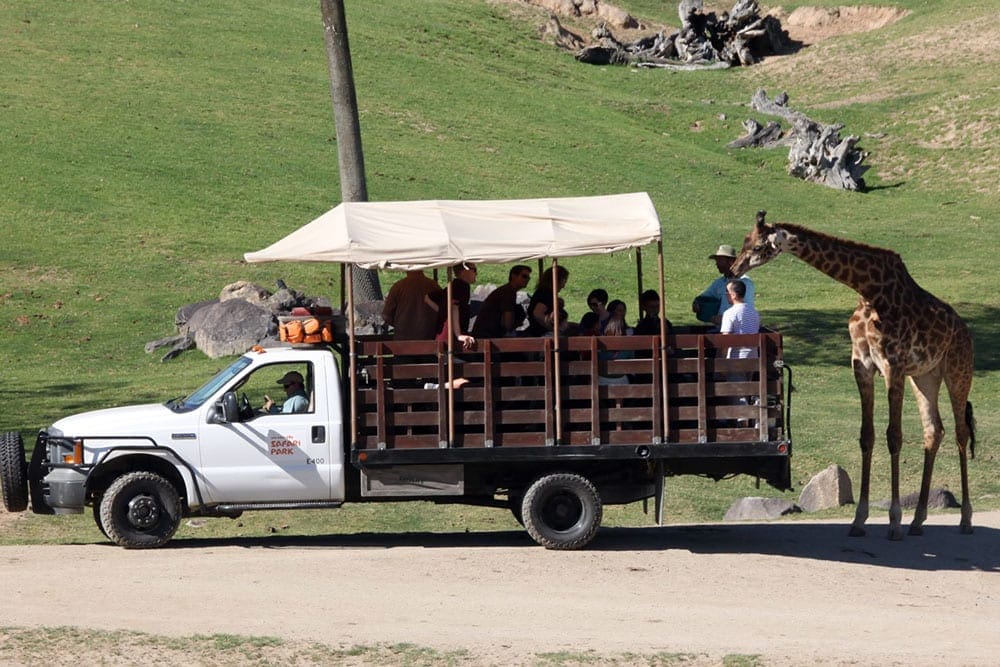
x=271 y=456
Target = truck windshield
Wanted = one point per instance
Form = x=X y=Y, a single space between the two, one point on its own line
x=209 y=389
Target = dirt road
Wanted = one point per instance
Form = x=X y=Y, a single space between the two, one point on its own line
x=791 y=592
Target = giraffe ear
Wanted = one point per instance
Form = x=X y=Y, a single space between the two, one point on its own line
x=760 y=218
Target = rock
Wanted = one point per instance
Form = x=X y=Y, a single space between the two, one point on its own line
x=936 y=499
x=185 y=313
x=756 y=509
x=247 y=291
x=829 y=488
x=231 y=327
x=368 y=318
x=617 y=17
x=244 y=315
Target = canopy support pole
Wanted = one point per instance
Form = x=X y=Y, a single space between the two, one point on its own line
x=638 y=279
x=663 y=339
x=448 y=324
x=352 y=353
x=556 y=348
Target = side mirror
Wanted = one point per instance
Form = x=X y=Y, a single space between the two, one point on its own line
x=227 y=410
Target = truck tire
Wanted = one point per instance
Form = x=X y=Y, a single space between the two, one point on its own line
x=13 y=472
x=140 y=510
x=562 y=511
x=515 y=500
x=97 y=517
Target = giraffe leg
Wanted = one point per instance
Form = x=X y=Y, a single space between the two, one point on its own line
x=894 y=437
x=958 y=391
x=926 y=389
x=864 y=375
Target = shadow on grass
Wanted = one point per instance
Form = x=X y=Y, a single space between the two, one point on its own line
x=940 y=548
x=820 y=338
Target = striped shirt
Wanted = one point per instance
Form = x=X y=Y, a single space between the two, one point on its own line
x=740 y=318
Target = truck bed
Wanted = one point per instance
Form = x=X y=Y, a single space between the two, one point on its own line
x=516 y=403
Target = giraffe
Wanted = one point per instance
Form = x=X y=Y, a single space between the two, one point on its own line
x=899 y=330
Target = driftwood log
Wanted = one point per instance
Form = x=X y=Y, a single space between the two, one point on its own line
x=816 y=151
x=705 y=41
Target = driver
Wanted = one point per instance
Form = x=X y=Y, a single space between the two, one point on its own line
x=297 y=400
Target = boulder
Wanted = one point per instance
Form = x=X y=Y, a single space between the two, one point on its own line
x=368 y=318
x=185 y=313
x=936 y=499
x=247 y=291
x=231 y=327
x=758 y=509
x=829 y=488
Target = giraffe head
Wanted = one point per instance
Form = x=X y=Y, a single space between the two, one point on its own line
x=761 y=245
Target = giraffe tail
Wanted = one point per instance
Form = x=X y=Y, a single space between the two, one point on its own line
x=970 y=421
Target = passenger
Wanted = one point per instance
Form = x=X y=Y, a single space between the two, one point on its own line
x=597 y=301
x=590 y=324
x=540 y=316
x=712 y=303
x=461 y=292
x=295 y=390
x=649 y=323
x=617 y=310
x=614 y=327
x=739 y=318
x=500 y=315
x=411 y=307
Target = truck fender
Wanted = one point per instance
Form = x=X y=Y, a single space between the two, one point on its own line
x=161 y=460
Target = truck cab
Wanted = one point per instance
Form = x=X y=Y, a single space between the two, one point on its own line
x=217 y=449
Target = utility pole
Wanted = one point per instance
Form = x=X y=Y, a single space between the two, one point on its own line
x=353 y=186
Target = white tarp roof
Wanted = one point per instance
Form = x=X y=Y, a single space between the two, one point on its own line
x=426 y=234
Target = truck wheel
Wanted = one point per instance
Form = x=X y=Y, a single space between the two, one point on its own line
x=13 y=472
x=140 y=510
x=562 y=511
x=97 y=517
x=515 y=500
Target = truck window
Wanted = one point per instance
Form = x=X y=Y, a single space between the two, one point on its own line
x=279 y=388
x=210 y=388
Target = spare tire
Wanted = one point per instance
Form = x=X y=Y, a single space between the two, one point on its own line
x=13 y=472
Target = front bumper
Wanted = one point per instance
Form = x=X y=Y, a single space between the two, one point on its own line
x=65 y=490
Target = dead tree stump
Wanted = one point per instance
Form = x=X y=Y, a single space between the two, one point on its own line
x=705 y=41
x=817 y=153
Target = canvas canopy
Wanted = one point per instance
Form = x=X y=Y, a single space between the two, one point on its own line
x=427 y=234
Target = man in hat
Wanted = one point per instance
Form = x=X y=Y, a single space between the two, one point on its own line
x=297 y=400
x=716 y=293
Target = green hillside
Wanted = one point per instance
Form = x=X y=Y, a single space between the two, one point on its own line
x=145 y=146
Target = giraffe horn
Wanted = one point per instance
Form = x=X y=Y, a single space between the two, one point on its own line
x=760 y=217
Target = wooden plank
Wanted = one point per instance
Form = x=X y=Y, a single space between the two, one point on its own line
x=488 y=405
x=382 y=387
x=550 y=416
x=594 y=395
x=442 y=391
x=702 y=393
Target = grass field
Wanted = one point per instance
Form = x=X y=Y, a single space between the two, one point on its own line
x=146 y=146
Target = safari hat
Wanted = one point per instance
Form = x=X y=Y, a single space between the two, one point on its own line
x=290 y=377
x=724 y=251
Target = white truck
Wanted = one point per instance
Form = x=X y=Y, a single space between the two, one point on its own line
x=532 y=428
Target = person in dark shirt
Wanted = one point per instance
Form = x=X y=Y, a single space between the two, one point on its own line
x=499 y=314
x=410 y=307
x=461 y=291
x=649 y=323
x=543 y=301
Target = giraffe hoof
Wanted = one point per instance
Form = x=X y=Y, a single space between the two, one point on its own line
x=916 y=530
x=966 y=530
x=856 y=531
x=895 y=534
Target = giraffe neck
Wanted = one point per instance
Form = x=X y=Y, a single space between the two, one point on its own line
x=874 y=273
